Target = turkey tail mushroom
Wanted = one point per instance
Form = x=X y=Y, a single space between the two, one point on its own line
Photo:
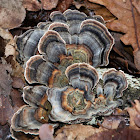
x=63 y=30
x=60 y=57
x=27 y=44
x=39 y=70
x=36 y=96
x=52 y=45
x=24 y=120
x=115 y=83
x=82 y=76
x=74 y=19
x=72 y=102
x=96 y=37
x=70 y=28
x=33 y=95
x=29 y=118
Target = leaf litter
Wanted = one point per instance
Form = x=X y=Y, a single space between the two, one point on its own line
x=11 y=97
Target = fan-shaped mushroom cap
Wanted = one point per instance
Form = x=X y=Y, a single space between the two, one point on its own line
x=74 y=19
x=82 y=76
x=57 y=16
x=38 y=70
x=70 y=106
x=63 y=30
x=43 y=25
x=33 y=95
x=36 y=96
x=62 y=111
x=29 y=118
x=27 y=43
x=114 y=83
x=73 y=103
x=96 y=37
x=52 y=45
x=24 y=120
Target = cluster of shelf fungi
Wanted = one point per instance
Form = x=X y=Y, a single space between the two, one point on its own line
x=60 y=58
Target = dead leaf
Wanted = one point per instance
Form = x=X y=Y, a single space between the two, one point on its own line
x=4 y=109
x=137 y=58
x=8 y=48
x=85 y=3
x=113 y=122
x=63 y=5
x=127 y=22
x=9 y=105
x=17 y=83
x=136 y=4
x=5 y=132
x=33 y=18
x=5 y=78
x=5 y=34
x=121 y=56
x=94 y=8
x=32 y=5
x=137 y=120
x=35 y=5
x=125 y=134
x=76 y=132
x=18 y=70
x=6 y=42
x=10 y=99
x=16 y=103
x=134 y=113
x=9 y=44
x=49 y=4
x=12 y=13
x=46 y=132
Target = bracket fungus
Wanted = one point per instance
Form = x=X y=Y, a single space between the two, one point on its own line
x=77 y=102
x=68 y=34
x=60 y=59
